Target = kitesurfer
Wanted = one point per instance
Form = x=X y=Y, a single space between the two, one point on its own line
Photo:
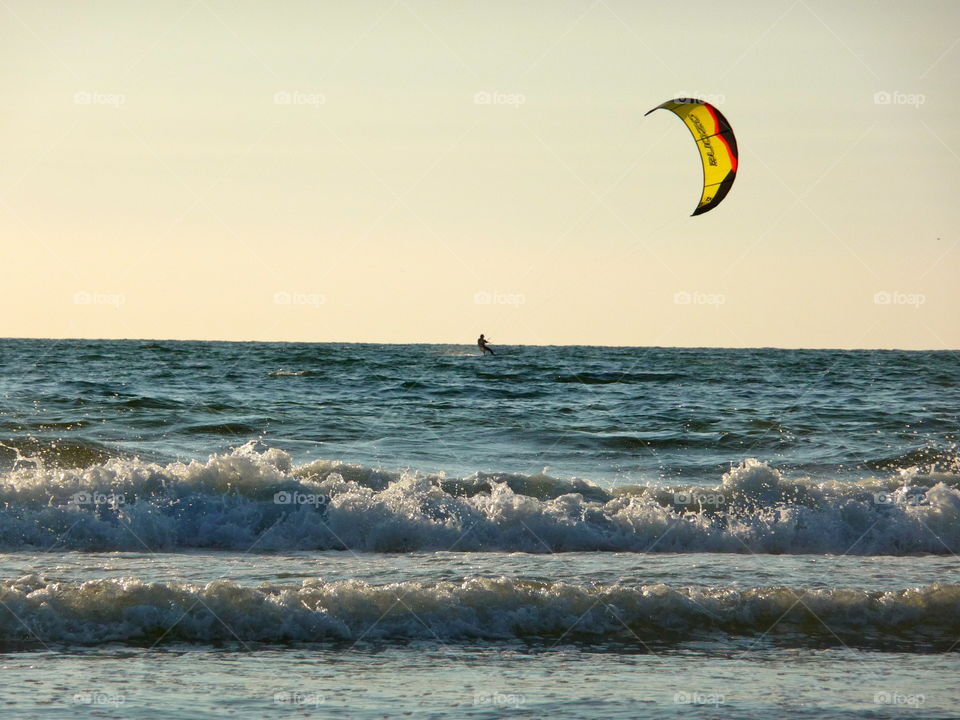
x=482 y=344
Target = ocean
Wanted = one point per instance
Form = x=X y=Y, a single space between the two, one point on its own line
x=206 y=529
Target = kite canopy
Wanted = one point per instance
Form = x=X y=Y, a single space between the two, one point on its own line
x=717 y=145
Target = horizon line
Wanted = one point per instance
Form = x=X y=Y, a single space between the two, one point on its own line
x=470 y=344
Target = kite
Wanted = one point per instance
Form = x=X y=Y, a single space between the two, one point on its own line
x=717 y=145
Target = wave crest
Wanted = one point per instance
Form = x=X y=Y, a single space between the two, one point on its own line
x=34 y=610
x=256 y=498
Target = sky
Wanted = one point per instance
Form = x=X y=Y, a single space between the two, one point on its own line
x=407 y=171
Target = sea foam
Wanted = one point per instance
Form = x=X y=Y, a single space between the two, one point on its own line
x=34 y=611
x=255 y=498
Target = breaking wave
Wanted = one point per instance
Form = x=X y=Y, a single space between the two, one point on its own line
x=255 y=498
x=34 y=610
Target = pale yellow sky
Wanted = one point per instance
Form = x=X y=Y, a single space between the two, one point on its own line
x=425 y=171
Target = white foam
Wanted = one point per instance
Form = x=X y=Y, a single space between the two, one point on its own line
x=231 y=502
x=34 y=610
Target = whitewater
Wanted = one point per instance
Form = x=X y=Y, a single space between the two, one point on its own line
x=254 y=498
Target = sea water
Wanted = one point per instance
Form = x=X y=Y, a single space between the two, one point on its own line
x=192 y=529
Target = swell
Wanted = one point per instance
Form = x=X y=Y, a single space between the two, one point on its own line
x=613 y=377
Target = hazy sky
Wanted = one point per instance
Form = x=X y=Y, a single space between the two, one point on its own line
x=425 y=171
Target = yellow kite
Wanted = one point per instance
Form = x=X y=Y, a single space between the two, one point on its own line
x=717 y=145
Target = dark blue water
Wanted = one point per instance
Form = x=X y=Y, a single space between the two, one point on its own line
x=613 y=415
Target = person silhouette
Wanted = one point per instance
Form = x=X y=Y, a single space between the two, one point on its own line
x=482 y=344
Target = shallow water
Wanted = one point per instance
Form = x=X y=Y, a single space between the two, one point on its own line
x=481 y=681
